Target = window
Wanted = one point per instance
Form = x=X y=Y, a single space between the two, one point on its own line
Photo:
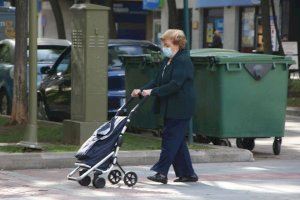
x=213 y=20
x=48 y=55
x=248 y=29
x=64 y=66
x=129 y=50
x=115 y=51
x=251 y=30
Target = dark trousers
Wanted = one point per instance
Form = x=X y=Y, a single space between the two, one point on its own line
x=174 y=150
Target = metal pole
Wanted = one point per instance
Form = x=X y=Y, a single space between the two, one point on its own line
x=186 y=23
x=280 y=48
x=31 y=133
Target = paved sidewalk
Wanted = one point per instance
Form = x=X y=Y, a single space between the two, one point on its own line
x=261 y=180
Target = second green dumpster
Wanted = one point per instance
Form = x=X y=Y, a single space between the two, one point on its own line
x=240 y=96
x=138 y=71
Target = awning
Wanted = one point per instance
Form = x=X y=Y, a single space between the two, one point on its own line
x=225 y=3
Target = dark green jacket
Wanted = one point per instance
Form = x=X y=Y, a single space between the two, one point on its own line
x=174 y=92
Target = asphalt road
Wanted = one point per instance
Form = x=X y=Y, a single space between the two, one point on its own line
x=269 y=177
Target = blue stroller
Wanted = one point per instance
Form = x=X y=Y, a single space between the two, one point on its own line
x=99 y=154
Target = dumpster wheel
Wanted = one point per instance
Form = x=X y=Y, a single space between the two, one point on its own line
x=277 y=145
x=239 y=143
x=202 y=139
x=220 y=142
x=225 y=142
x=245 y=143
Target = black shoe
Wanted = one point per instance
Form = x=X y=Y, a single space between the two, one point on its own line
x=158 y=178
x=179 y=179
x=193 y=178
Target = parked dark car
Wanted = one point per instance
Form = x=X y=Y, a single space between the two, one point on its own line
x=54 y=94
x=48 y=52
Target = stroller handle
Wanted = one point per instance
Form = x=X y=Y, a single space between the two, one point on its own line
x=141 y=98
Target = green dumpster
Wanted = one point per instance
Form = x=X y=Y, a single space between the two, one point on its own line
x=138 y=71
x=240 y=96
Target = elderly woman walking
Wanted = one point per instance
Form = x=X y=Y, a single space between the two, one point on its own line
x=175 y=101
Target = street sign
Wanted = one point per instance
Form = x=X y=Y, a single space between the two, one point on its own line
x=152 y=4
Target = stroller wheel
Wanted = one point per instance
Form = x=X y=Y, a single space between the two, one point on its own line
x=130 y=179
x=114 y=176
x=86 y=180
x=98 y=182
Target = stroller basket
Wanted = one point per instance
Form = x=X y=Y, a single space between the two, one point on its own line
x=102 y=142
x=98 y=155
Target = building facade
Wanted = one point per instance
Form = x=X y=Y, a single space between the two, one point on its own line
x=239 y=23
x=130 y=19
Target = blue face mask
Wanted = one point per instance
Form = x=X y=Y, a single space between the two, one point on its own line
x=167 y=52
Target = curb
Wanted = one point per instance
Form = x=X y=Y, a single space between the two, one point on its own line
x=17 y=161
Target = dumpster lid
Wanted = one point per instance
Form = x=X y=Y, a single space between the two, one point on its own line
x=223 y=57
x=196 y=52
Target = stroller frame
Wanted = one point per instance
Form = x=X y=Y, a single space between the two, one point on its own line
x=99 y=182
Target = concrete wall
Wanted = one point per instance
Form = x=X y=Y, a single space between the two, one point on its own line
x=164 y=17
x=49 y=27
x=231 y=28
x=197 y=28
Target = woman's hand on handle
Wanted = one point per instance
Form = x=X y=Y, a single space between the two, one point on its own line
x=135 y=92
x=146 y=92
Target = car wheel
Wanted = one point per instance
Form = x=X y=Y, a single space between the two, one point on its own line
x=4 y=103
x=42 y=113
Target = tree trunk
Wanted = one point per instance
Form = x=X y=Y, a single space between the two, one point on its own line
x=19 y=105
x=59 y=19
x=173 y=14
x=265 y=8
x=111 y=19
